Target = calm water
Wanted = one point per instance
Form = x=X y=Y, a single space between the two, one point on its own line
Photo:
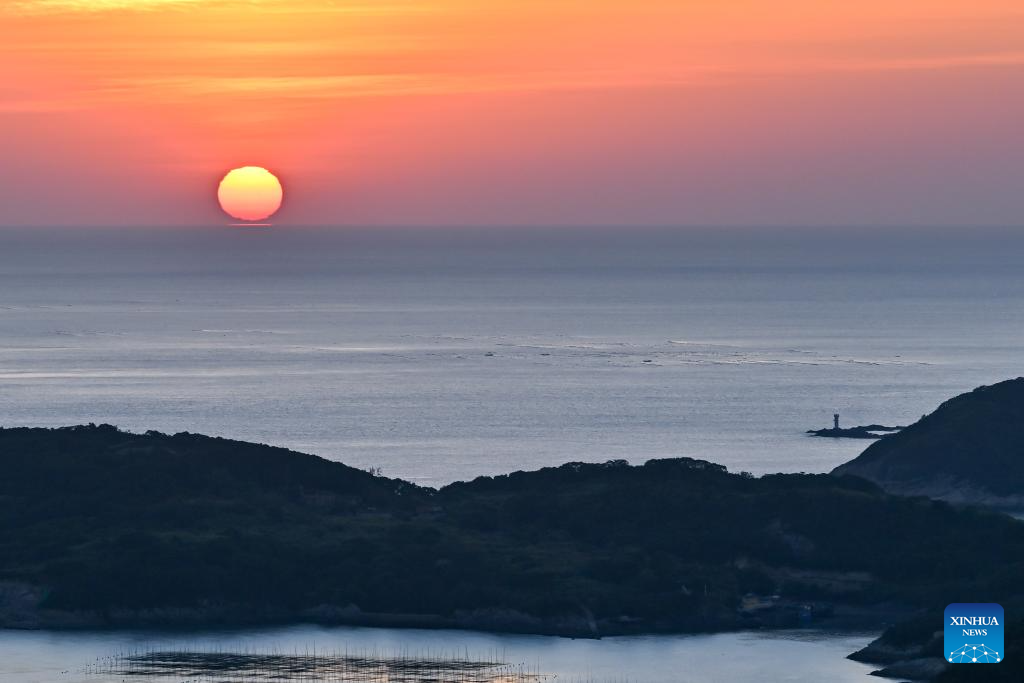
x=41 y=657
x=445 y=354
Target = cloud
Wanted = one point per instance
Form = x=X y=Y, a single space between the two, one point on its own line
x=30 y=7
x=185 y=88
x=927 y=63
x=444 y=47
x=48 y=6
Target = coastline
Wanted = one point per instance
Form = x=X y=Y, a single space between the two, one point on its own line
x=909 y=661
x=26 y=614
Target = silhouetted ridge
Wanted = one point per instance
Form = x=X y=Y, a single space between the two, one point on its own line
x=99 y=526
x=100 y=461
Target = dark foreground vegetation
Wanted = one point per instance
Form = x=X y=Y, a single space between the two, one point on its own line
x=98 y=526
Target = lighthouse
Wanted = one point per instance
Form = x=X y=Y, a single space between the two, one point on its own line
x=835 y=421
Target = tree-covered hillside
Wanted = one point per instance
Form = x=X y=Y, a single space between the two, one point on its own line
x=970 y=450
x=112 y=527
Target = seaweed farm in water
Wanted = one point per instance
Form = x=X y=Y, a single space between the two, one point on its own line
x=185 y=666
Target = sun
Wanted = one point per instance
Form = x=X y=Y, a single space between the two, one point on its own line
x=250 y=193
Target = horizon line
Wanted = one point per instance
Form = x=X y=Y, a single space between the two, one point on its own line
x=523 y=226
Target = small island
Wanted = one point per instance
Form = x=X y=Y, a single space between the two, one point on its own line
x=873 y=431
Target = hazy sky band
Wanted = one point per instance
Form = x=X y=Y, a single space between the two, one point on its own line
x=501 y=112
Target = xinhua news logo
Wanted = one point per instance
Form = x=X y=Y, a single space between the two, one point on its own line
x=974 y=633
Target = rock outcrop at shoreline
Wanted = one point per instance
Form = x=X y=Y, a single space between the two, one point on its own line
x=862 y=432
x=912 y=650
x=969 y=451
x=909 y=651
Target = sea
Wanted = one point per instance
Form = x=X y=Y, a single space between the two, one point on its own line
x=444 y=354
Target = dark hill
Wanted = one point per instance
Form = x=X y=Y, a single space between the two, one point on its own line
x=970 y=450
x=98 y=526
x=101 y=463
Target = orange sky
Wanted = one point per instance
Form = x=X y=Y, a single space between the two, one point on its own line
x=515 y=111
